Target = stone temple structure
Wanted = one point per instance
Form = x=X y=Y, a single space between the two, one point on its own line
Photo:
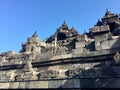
x=67 y=59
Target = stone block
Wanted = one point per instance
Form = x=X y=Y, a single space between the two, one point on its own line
x=55 y=83
x=71 y=83
x=79 y=45
x=98 y=29
x=14 y=85
x=21 y=85
x=109 y=44
x=105 y=45
x=54 y=68
x=115 y=43
x=27 y=84
x=66 y=56
x=99 y=38
x=38 y=84
x=4 y=85
x=80 y=50
x=97 y=53
x=56 y=57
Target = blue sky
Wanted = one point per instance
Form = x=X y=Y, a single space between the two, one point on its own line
x=20 y=18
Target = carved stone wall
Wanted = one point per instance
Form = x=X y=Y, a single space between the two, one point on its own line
x=48 y=74
x=22 y=76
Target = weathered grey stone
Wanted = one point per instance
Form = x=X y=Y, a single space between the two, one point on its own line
x=6 y=76
x=14 y=85
x=56 y=57
x=78 y=51
x=26 y=76
x=28 y=66
x=97 y=46
x=71 y=83
x=110 y=44
x=75 y=71
x=21 y=85
x=98 y=29
x=27 y=84
x=38 y=84
x=55 y=83
x=66 y=56
x=4 y=85
x=80 y=45
x=48 y=74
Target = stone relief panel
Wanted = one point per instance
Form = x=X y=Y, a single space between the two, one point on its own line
x=28 y=73
x=25 y=76
x=48 y=74
x=74 y=71
x=7 y=76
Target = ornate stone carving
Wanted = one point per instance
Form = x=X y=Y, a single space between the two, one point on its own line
x=117 y=57
x=25 y=76
x=6 y=76
x=28 y=72
x=74 y=71
x=48 y=74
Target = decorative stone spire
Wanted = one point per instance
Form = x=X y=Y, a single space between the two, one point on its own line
x=72 y=28
x=35 y=34
x=99 y=22
x=64 y=25
x=107 y=12
x=109 y=17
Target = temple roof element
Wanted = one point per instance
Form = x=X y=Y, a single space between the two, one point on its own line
x=108 y=15
x=64 y=26
x=35 y=34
